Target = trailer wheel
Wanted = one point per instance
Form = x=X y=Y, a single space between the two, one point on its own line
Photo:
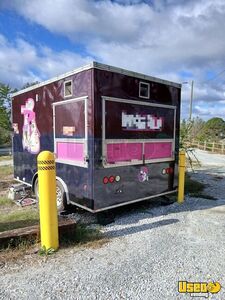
x=60 y=195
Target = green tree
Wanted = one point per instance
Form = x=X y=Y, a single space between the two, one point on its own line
x=5 y=111
x=190 y=130
x=214 y=129
x=185 y=128
x=197 y=129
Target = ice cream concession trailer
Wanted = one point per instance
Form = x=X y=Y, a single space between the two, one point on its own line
x=115 y=135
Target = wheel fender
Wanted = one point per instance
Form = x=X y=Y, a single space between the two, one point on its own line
x=33 y=181
x=57 y=178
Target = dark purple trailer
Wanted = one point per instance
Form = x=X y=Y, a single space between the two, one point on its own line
x=115 y=135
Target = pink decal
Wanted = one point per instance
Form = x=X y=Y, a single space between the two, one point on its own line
x=158 y=150
x=143 y=174
x=124 y=152
x=15 y=128
x=139 y=122
x=70 y=151
x=31 y=135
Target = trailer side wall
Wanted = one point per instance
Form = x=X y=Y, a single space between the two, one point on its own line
x=39 y=111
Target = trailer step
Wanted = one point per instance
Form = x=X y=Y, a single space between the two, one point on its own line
x=26 y=202
x=21 y=194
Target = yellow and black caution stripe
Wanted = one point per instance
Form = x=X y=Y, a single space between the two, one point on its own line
x=46 y=165
x=46 y=162
x=46 y=168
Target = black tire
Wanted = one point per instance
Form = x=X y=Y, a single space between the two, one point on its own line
x=60 y=195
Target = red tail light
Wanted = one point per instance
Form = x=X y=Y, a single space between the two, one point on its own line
x=169 y=170
x=111 y=179
x=105 y=180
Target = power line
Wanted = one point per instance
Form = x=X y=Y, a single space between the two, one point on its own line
x=211 y=79
x=217 y=75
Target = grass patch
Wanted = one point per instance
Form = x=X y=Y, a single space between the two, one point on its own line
x=84 y=237
x=19 y=244
x=43 y=251
x=6 y=202
x=13 y=254
x=6 y=170
x=193 y=186
x=5 y=157
x=18 y=219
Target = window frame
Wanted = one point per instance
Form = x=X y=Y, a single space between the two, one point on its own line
x=105 y=141
x=73 y=140
x=147 y=84
x=65 y=82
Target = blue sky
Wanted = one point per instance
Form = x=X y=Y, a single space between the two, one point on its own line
x=172 y=39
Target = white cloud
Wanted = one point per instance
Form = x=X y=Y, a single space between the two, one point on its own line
x=160 y=37
x=21 y=62
x=187 y=35
x=84 y=18
x=209 y=111
x=168 y=35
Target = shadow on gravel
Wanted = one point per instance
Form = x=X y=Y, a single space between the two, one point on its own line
x=148 y=209
x=136 y=229
x=156 y=208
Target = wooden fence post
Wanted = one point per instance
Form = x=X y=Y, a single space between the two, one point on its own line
x=204 y=145
x=213 y=146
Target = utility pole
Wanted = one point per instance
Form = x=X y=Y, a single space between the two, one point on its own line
x=191 y=100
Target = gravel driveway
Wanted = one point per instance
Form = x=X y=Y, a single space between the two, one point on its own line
x=148 y=252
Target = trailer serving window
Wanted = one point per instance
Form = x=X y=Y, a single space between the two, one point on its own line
x=70 y=131
x=137 y=132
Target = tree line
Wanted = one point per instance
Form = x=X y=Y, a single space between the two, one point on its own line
x=5 y=114
x=212 y=130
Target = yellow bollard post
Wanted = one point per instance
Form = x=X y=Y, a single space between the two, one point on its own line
x=181 y=176
x=47 y=200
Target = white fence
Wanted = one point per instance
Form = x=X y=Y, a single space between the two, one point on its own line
x=207 y=146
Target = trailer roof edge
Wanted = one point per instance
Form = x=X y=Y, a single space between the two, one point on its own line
x=64 y=75
x=99 y=66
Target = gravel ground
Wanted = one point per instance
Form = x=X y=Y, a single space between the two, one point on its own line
x=148 y=252
x=210 y=159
